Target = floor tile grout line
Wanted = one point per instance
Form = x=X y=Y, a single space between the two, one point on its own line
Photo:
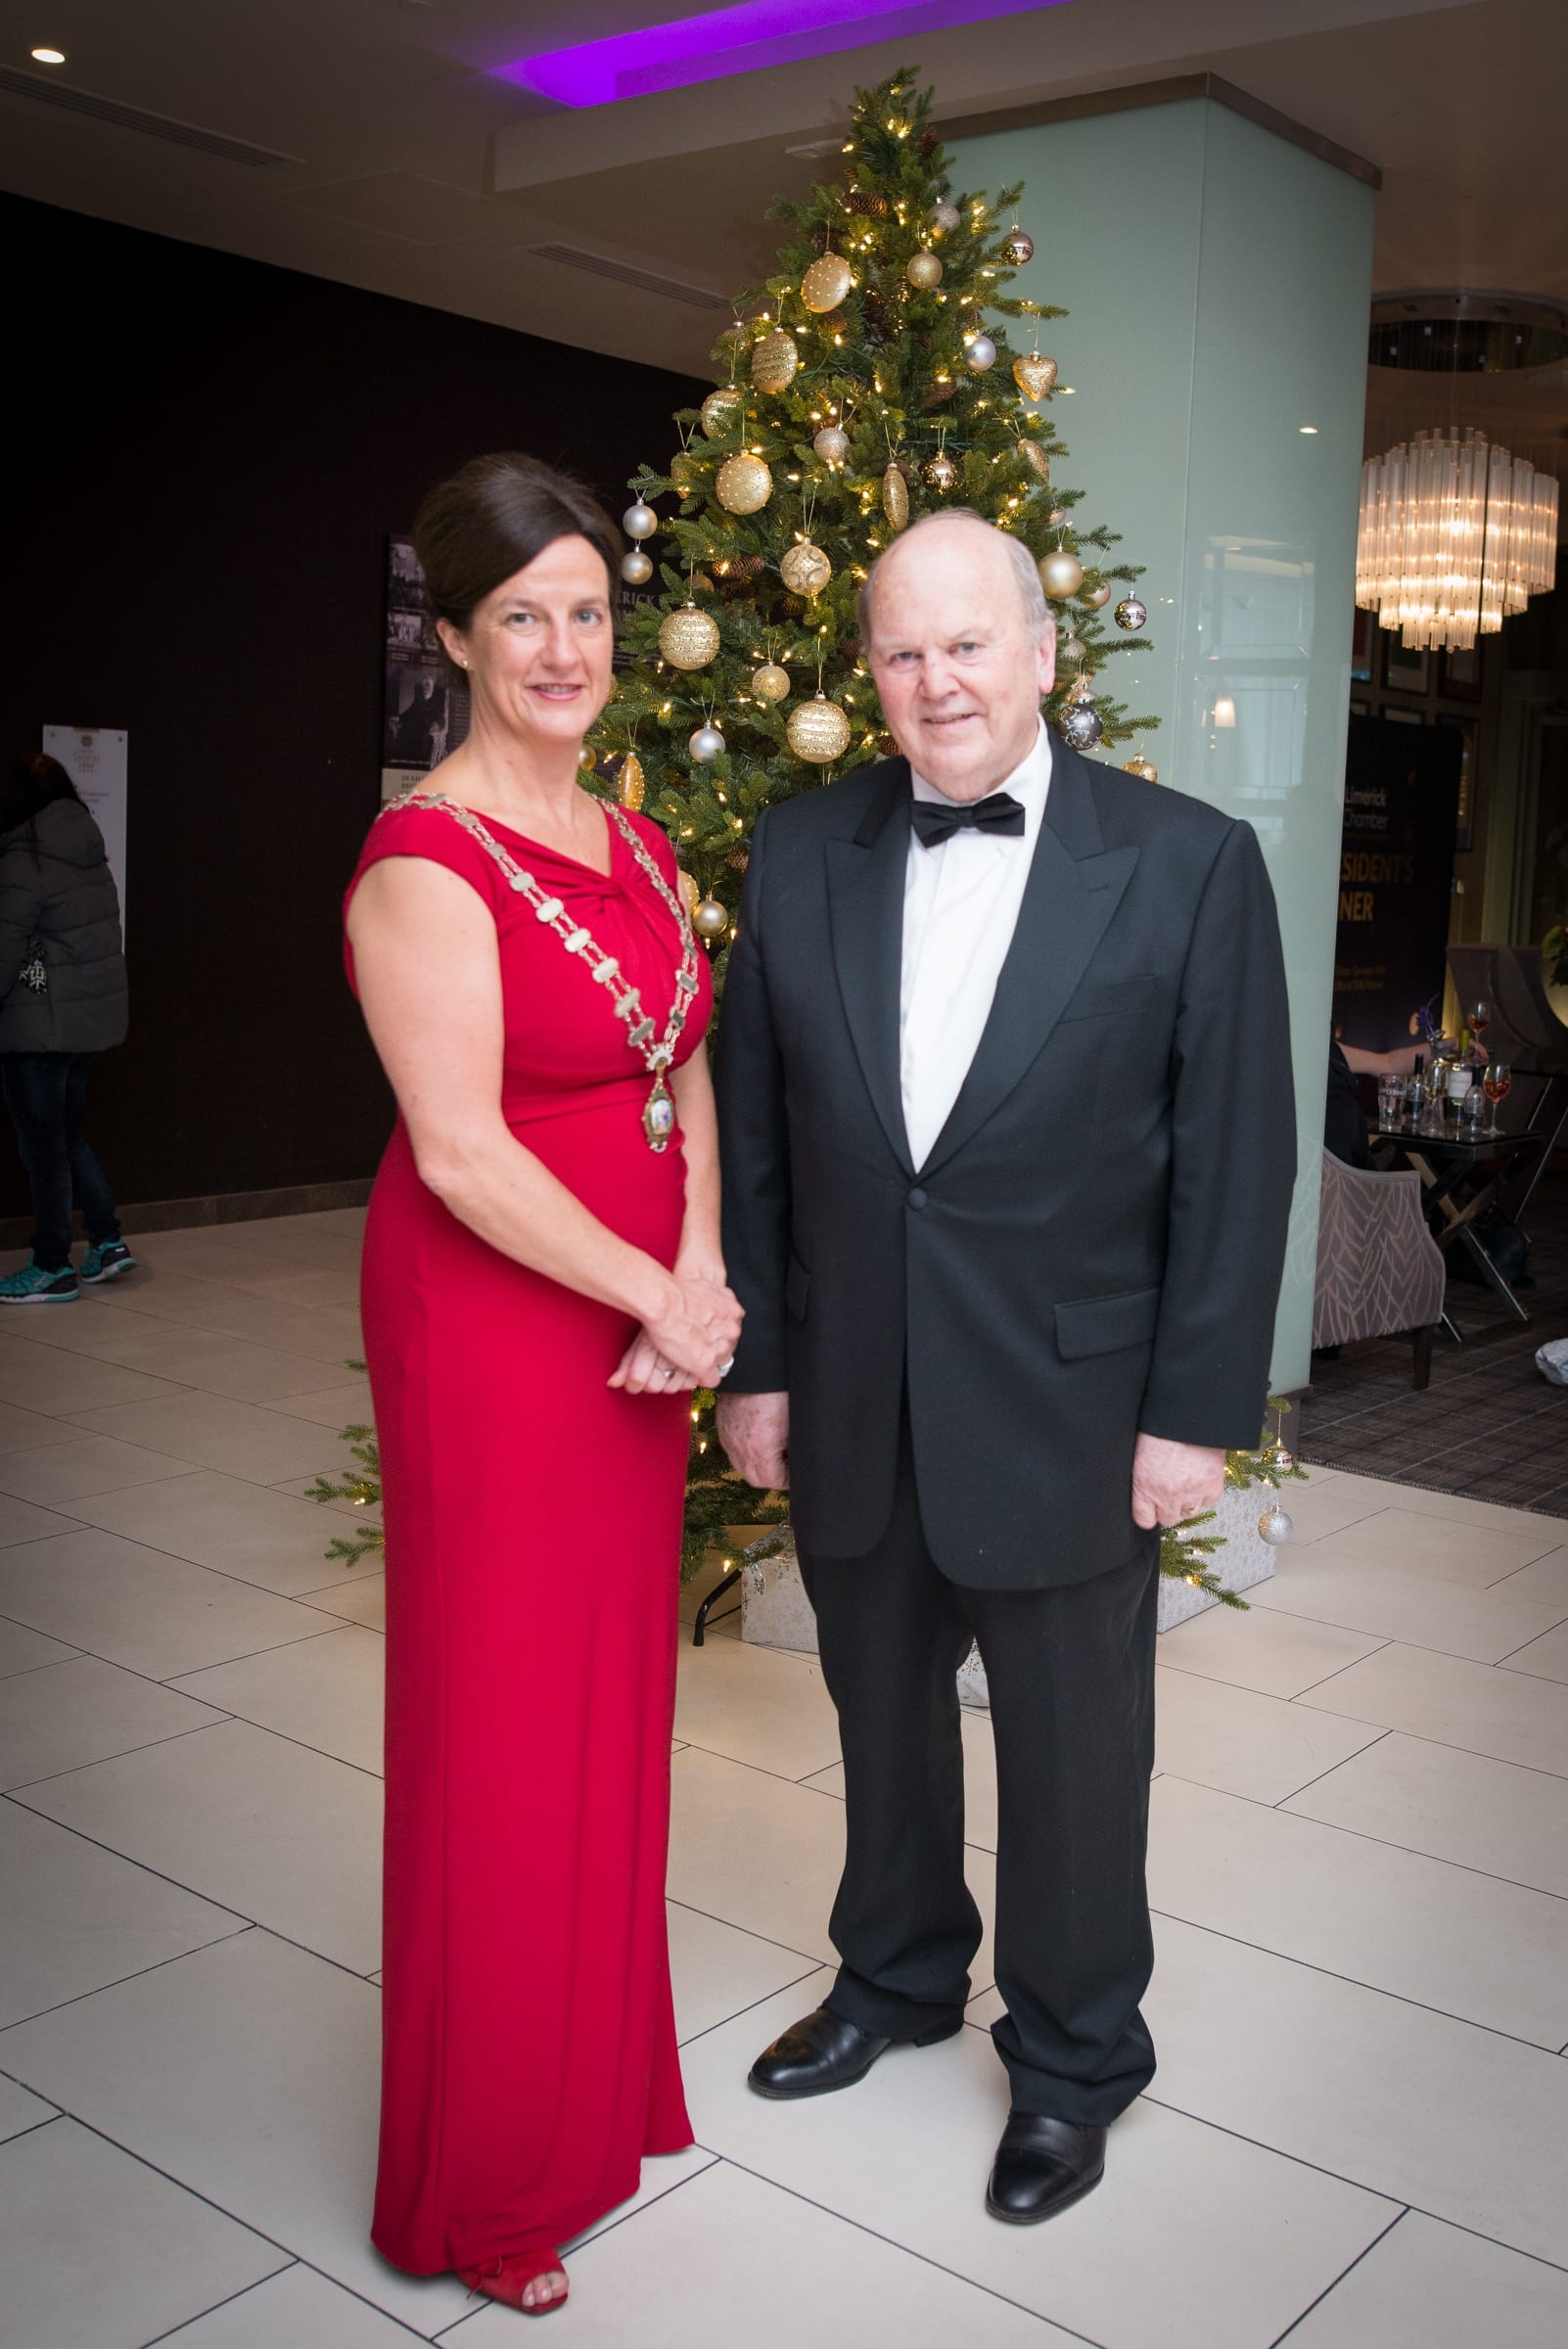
x=32 y=2129
x=1387 y=1843
x=1332 y=1767
x=1376 y=1990
x=242 y=1926
x=310 y=2268
x=1305 y=2161
x=171 y=1737
x=1391 y=1639
x=228 y=1721
x=1295 y=1697
x=332 y=1622
x=1366 y=2252
x=724 y=2020
x=787 y=1948
x=612 y=2224
x=924 y=2257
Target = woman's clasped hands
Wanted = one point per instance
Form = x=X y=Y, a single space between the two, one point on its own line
x=690 y=1341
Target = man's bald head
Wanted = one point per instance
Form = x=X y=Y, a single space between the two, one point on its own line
x=984 y=542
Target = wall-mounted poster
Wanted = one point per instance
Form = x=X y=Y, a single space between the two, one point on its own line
x=426 y=705
x=94 y=757
x=1401 y=788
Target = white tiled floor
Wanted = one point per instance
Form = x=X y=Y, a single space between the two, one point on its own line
x=1358 y=2132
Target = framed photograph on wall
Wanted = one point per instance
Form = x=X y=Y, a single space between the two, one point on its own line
x=1461 y=674
x=425 y=705
x=1403 y=671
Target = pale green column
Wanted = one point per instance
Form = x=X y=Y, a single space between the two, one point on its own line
x=1219 y=278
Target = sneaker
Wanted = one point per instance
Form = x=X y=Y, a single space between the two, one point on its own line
x=32 y=1286
x=106 y=1263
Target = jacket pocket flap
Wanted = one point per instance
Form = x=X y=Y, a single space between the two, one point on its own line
x=797 y=1287
x=1105 y=1324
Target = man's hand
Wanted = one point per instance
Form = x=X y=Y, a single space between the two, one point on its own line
x=1173 y=1481
x=755 y=1431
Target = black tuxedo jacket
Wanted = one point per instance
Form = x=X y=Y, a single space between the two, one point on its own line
x=1094 y=1244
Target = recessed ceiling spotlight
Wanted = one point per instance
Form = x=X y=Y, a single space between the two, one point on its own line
x=1306 y=428
x=50 y=56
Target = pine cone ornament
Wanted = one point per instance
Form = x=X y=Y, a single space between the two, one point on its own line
x=821 y=239
x=938 y=396
x=929 y=143
x=866 y=202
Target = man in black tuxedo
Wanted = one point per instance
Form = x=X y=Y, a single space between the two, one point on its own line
x=1006 y=1115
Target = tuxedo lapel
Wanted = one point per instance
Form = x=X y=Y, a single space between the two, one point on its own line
x=1074 y=886
x=865 y=877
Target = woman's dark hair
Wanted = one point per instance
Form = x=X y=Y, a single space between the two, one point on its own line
x=493 y=516
x=29 y=783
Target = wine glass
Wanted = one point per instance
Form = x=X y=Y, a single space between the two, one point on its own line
x=1495 y=1083
x=1478 y=1017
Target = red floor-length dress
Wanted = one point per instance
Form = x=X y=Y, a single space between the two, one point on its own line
x=533 y=1521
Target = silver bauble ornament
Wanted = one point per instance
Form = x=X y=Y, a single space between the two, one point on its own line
x=1056 y=517
x=706 y=745
x=818 y=731
x=896 y=497
x=945 y=217
x=1131 y=614
x=1081 y=725
x=980 y=352
x=744 y=485
x=1274 y=1526
x=832 y=444
x=721 y=410
x=772 y=682
x=939 y=473
x=687 y=637
x=1074 y=649
x=826 y=283
x=639 y=520
x=1034 y=375
x=775 y=361
x=1061 y=574
x=1019 y=247
x=924 y=271
x=637 y=569
x=710 y=919
x=1096 y=598
x=806 y=569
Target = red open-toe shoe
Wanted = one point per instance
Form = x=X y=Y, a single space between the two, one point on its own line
x=507 y=2277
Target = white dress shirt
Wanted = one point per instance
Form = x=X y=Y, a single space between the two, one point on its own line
x=960 y=909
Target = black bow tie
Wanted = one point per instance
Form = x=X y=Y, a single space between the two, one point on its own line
x=1000 y=813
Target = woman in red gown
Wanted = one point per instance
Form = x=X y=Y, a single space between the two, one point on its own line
x=542 y=1286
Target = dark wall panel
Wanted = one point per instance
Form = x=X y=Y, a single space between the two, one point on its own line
x=205 y=459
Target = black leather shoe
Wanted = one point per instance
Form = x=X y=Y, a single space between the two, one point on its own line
x=1042 y=2166
x=824 y=2052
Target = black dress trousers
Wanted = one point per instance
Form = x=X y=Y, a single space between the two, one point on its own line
x=1071 y=1674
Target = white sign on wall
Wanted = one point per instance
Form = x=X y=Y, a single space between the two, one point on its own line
x=94 y=757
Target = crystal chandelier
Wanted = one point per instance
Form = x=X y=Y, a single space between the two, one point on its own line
x=1455 y=536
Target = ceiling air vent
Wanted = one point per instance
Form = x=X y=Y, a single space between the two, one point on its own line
x=573 y=257
x=135 y=118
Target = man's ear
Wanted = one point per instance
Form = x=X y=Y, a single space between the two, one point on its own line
x=1047 y=662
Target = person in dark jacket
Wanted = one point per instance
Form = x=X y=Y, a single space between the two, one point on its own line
x=1343 y=1126
x=63 y=998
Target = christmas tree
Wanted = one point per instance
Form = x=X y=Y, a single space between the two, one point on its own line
x=869 y=381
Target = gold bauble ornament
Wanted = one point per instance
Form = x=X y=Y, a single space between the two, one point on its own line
x=683 y=471
x=772 y=682
x=826 y=281
x=632 y=782
x=806 y=569
x=721 y=409
x=708 y=918
x=775 y=361
x=744 y=485
x=896 y=497
x=1034 y=375
x=924 y=271
x=1036 y=459
x=1061 y=574
x=1081 y=689
x=939 y=473
x=832 y=444
x=1074 y=649
x=1142 y=767
x=689 y=890
x=818 y=731
x=688 y=638
x=1096 y=598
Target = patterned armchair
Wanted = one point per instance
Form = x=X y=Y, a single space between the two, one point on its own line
x=1379 y=1271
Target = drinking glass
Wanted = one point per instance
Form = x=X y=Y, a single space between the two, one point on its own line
x=1495 y=1085
x=1390 y=1098
x=1457 y=1083
x=1478 y=1017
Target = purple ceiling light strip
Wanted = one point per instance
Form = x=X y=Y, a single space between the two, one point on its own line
x=740 y=39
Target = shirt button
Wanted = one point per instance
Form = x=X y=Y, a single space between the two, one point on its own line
x=917 y=1198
